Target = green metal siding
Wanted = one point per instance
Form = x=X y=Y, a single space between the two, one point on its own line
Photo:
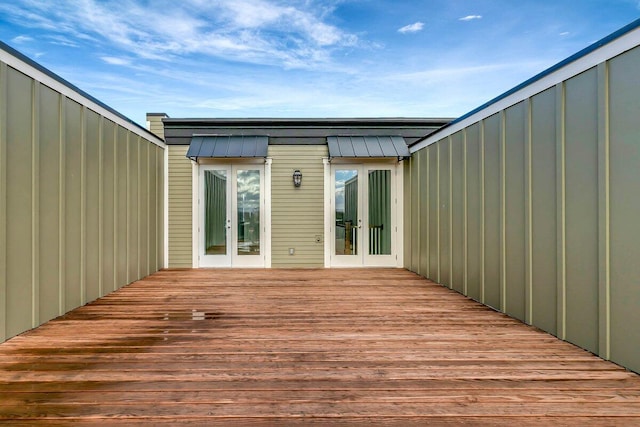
x=406 y=180
x=49 y=195
x=473 y=212
x=542 y=207
x=581 y=163
x=19 y=292
x=297 y=214
x=550 y=209
x=433 y=214
x=424 y=213
x=92 y=206
x=492 y=210
x=57 y=210
x=625 y=208
x=457 y=212
x=444 y=180
x=514 y=212
x=415 y=212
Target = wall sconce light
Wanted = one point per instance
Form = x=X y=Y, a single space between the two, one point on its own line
x=297 y=178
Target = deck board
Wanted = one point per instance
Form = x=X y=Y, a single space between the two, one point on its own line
x=302 y=347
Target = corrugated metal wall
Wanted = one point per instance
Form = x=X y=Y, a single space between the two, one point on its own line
x=81 y=205
x=534 y=210
x=297 y=214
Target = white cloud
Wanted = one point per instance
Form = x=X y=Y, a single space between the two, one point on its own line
x=253 y=31
x=115 y=61
x=470 y=17
x=565 y=33
x=412 y=28
x=21 y=39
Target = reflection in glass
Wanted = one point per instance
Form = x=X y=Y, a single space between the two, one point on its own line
x=248 y=212
x=346 y=230
x=380 y=212
x=215 y=212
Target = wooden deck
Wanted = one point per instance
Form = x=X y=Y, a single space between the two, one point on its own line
x=302 y=347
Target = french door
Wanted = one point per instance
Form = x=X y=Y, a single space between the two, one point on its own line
x=363 y=205
x=231 y=213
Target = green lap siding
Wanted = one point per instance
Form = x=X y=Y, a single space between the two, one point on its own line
x=297 y=214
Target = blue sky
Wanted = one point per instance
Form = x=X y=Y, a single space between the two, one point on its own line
x=307 y=58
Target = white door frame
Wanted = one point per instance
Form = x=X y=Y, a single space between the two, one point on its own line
x=264 y=165
x=364 y=259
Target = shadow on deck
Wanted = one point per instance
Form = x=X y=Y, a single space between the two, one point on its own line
x=303 y=347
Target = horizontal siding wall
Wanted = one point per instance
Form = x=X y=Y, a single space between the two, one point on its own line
x=81 y=206
x=297 y=214
x=534 y=210
x=180 y=208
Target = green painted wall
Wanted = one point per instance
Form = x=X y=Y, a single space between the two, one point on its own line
x=180 y=208
x=542 y=211
x=536 y=210
x=68 y=198
x=624 y=208
x=297 y=214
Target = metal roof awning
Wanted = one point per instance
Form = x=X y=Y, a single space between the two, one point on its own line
x=368 y=146
x=227 y=146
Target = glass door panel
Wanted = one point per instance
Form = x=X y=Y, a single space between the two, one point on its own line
x=379 y=195
x=248 y=212
x=215 y=212
x=346 y=212
x=215 y=217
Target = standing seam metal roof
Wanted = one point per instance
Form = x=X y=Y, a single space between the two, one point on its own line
x=367 y=146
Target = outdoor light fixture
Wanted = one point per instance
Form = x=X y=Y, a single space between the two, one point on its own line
x=297 y=178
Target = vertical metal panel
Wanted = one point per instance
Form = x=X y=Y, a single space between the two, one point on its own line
x=434 y=228
x=73 y=205
x=50 y=176
x=161 y=173
x=19 y=291
x=444 y=178
x=561 y=247
x=492 y=209
x=132 y=207
x=92 y=206
x=457 y=211
x=143 y=211
x=121 y=230
x=152 y=214
x=604 y=214
x=100 y=173
x=3 y=200
x=423 y=235
x=624 y=93
x=515 y=211
x=406 y=167
x=108 y=195
x=581 y=168
x=543 y=211
x=474 y=208
x=415 y=212
x=35 y=205
x=62 y=211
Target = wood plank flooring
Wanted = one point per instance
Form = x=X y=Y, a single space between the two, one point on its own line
x=302 y=347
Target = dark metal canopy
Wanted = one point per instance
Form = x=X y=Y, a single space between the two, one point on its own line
x=367 y=146
x=226 y=146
